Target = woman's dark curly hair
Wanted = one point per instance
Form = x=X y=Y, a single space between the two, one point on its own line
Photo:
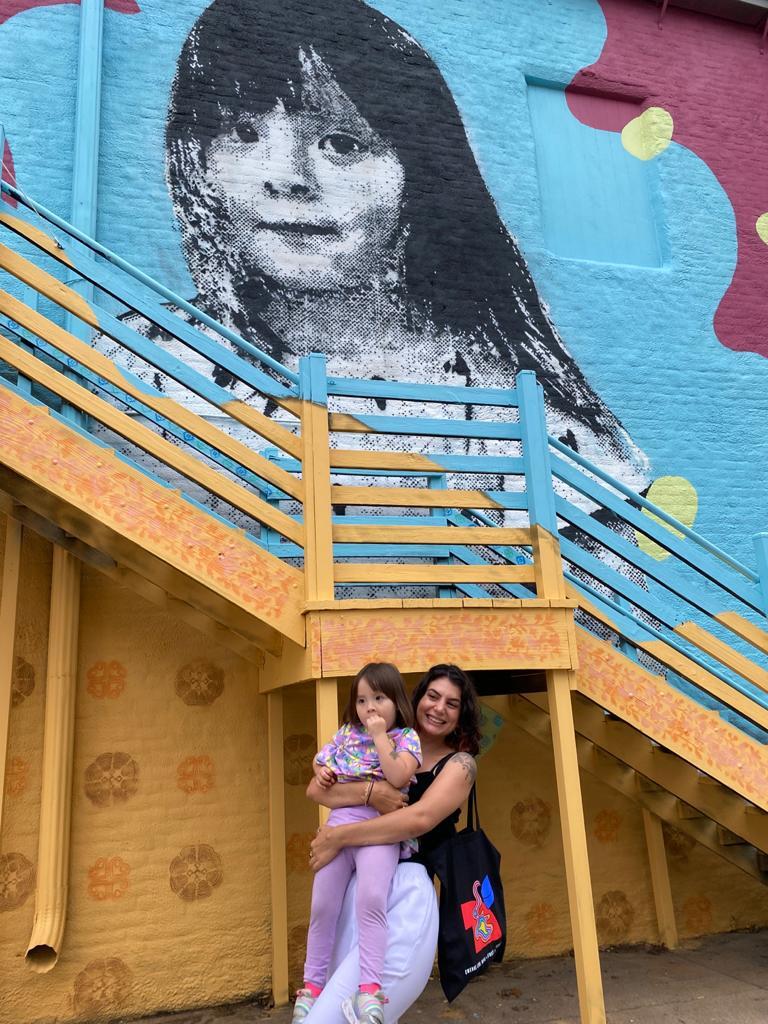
x=466 y=735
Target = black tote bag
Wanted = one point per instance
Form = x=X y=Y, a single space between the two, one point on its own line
x=473 y=922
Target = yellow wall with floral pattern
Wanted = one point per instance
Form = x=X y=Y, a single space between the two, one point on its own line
x=169 y=877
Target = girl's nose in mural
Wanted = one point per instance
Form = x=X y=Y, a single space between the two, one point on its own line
x=287 y=168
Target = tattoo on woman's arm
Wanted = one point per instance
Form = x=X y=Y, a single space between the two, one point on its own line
x=467 y=763
x=394 y=753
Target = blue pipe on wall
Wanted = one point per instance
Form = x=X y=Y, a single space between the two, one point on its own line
x=85 y=167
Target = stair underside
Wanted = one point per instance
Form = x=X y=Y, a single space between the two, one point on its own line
x=696 y=734
x=621 y=758
x=148 y=529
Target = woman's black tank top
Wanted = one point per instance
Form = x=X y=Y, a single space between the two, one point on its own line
x=445 y=828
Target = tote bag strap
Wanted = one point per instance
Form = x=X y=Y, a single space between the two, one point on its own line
x=473 y=815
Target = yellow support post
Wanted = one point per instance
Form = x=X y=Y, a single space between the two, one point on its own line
x=278 y=879
x=9 y=597
x=316 y=477
x=584 y=929
x=58 y=749
x=327 y=701
x=548 y=563
x=662 y=890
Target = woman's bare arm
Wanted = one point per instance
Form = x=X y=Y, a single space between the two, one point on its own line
x=446 y=794
x=341 y=794
x=384 y=798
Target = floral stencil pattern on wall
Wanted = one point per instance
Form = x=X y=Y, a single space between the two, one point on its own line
x=102 y=985
x=196 y=872
x=541 y=922
x=16 y=776
x=531 y=820
x=106 y=679
x=112 y=778
x=108 y=878
x=677 y=844
x=298 y=751
x=196 y=774
x=199 y=682
x=22 y=682
x=17 y=880
x=297 y=851
x=614 y=915
x=697 y=912
x=607 y=824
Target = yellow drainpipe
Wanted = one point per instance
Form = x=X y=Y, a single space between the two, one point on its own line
x=58 y=744
x=8 y=603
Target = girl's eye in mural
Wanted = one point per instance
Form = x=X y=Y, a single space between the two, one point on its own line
x=343 y=145
x=245 y=131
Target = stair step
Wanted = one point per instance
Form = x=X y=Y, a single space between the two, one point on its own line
x=707 y=780
x=762 y=861
x=727 y=838
x=687 y=812
x=647 y=785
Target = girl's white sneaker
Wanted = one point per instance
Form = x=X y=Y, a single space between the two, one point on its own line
x=364 y=1008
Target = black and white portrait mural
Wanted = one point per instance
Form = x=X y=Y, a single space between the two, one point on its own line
x=328 y=200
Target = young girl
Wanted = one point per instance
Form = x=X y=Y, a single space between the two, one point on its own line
x=376 y=741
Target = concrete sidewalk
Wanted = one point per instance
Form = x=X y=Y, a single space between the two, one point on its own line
x=722 y=979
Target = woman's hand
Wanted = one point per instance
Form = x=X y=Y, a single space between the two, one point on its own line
x=324 y=847
x=385 y=798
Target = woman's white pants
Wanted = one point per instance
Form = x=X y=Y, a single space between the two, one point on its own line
x=412 y=922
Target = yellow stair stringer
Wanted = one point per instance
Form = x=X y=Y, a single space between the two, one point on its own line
x=145 y=528
x=623 y=759
x=674 y=721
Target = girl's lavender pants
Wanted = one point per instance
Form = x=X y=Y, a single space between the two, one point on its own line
x=375 y=867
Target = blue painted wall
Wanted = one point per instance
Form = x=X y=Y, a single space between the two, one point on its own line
x=637 y=320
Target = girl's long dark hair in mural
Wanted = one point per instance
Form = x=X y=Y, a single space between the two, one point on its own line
x=442 y=280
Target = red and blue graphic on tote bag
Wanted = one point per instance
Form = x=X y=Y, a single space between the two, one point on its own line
x=478 y=916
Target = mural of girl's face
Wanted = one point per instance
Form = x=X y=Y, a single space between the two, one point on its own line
x=311 y=194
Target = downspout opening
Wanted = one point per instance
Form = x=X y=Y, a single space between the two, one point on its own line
x=41 y=958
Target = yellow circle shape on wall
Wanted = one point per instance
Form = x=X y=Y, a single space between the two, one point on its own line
x=761 y=226
x=676 y=496
x=648 y=134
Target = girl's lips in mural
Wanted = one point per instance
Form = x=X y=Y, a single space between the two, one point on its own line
x=293 y=227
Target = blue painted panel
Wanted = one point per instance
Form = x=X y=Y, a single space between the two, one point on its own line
x=596 y=200
x=425 y=392
x=483 y=464
x=440 y=427
x=420 y=551
x=425 y=521
x=538 y=473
